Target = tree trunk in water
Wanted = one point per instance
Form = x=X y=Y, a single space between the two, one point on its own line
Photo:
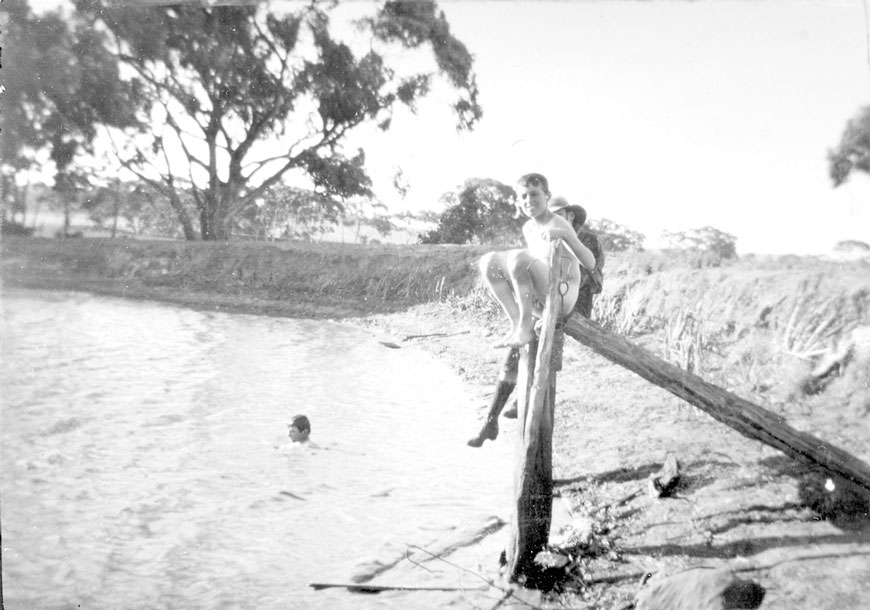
x=745 y=417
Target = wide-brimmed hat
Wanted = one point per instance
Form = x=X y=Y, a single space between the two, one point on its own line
x=560 y=203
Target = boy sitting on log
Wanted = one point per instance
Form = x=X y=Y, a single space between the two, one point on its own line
x=518 y=279
x=591 y=284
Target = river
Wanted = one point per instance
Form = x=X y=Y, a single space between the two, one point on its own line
x=145 y=462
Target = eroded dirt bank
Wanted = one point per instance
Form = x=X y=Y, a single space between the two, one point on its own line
x=740 y=504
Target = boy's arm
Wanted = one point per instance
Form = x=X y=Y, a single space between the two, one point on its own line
x=591 y=241
x=566 y=233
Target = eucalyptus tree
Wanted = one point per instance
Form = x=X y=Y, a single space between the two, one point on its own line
x=704 y=239
x=483 y=211
x=60 y=82
x=616 y=237
x=238 y=97
x=292 y=212
x=853 y=151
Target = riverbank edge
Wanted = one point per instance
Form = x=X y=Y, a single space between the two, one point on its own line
x=458 y=331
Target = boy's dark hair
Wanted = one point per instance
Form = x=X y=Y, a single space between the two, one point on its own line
x=301 y=423
x=534 y=179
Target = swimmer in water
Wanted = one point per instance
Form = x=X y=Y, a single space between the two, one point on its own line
x=299 y=429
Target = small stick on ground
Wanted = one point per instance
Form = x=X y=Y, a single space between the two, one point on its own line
x=368 y=588
x=463 y=332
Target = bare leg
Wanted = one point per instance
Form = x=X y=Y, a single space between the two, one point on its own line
x=520 y=265
x=490 y=426
x=494 y=271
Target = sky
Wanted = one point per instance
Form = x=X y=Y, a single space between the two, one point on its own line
x=658 y=115
x=661 y=115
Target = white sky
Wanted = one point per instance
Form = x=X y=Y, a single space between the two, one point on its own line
x=659 y=115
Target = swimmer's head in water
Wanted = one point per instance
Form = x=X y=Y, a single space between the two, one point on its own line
x=299 y=428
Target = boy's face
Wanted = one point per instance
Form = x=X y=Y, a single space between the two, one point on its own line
x=567 y=215
x=296 y=435
x=532 y=200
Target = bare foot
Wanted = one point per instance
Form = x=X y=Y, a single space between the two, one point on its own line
x=506 y=340
x=522 y=336
x=489 y=431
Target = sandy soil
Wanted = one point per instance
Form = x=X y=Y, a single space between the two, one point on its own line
x=740 y=504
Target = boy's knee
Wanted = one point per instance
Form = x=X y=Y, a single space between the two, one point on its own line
x=486 y=262
x=516 y=260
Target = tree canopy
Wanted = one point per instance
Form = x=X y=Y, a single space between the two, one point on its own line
x=231 y=100
x=482 y=211
x=60 y=82
x=705 y=239
x=616 y=237
x=853 y=151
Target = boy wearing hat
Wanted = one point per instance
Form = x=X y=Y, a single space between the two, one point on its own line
x=593 y=280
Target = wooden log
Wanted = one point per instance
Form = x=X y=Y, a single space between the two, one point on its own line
x=370 y=588
x=747 y=418
x=533 y=468
x=415 y=555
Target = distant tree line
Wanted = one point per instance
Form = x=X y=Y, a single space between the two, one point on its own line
x=484 y=211
x=706 y=239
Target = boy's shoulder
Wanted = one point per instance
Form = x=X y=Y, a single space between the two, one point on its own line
x=555 y=221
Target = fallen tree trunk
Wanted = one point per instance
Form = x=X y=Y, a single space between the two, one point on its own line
x=747 y=418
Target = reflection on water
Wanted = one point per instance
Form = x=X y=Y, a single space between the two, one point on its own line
x=144 y=462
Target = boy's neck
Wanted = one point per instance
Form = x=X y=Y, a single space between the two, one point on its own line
x=543 y=217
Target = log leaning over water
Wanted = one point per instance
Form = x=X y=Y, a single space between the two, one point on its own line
x=747 y=418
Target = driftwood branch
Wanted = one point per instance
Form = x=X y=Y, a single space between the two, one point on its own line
x=365 y=588
x=407 y=337
x=509 y=593
x=454 y=541
x=747 y=418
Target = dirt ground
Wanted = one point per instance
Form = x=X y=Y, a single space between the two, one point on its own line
x=740 y=504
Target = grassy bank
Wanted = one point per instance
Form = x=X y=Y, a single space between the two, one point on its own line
x=757 y=326
x=313 y=280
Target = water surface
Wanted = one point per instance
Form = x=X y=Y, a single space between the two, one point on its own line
x=145 y=463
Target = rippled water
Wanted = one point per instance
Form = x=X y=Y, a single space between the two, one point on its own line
x=144 y=462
